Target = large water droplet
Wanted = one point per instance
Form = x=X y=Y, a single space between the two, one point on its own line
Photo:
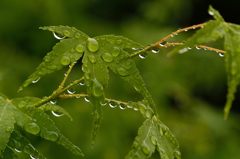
x=92 y=58
x=116 y=51
x=92 y=45
x=142 y=56
x=56 y=114
x=86 y=99
x=51 y=135
x=65 y=60
x=97 y=88
x=70 y=91
x=36 y=80
x=221 y=54
x=79 y=48
x=122 y=71
x=145 y=150
x=57 y=36
x=112 y=104
x=107 y=57
x=122 y=106
x=32 y=128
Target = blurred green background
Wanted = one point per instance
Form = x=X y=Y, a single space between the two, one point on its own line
x=189 y=89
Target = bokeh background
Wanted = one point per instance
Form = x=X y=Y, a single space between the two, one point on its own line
x=189 y=89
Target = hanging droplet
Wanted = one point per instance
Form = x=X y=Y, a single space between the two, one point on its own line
x=155 y=51
x=79 y=48
x=31 y=157
x=86 y=99
x=122 y=106
x=162 y=44
x=53 y=102
x=70 y=91
x=189 y=48
x=107 y=57
x=197 y=47
x=183 y=50
x=17 y=150
x=66 y=33
x=135 y=49
x=221 y=54
x=92 y=45
x=36 y=80
x=51 y=135
x=142 y=56
x=82 y=83
x=135 y=108
x=210 y=13
x=32 y=128
x=65 y=60
x=122 y=71
x=185 y=30
x=116 y=51
x=112 y=104
x=56 y=114
x=97 y=88
x=92 y=58
x=58 y=36
x=103 y=103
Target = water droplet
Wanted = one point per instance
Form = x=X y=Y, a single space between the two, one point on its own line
x=183 y=50
x=107 y=57
x=51 y=135
x=32 y=128
x=162 y=44
x=221 y=54
x=17 y=150
x=97 y=88
x=136 y=109
x=85 y=68
x=148 y=114
x=122 y=106
x=53 y=101
x=70 y=91
x=145 y=150
x=135 y=49
x=189 y=48
x=122 y=71
x=86 y=99
x=129 y=106
x=66 y=33
x=154 y=140
x=155 y=51
x=112 y=104
x=92 y=45
x=92 y=58
x=65 y=60
x=185 y=30
x=79 y=48
x=58 y=36
x=77 y=35
x=210 y=13
x=32 y=157
x=142 y=56
x=197 y=47
x=116 y=51
x=103 y=103
x=56 y=114
x=36 y=80
x=82 y=83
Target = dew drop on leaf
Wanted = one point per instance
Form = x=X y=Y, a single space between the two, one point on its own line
x=32 y=128
x=142 y=56
x=92 y=58
x=107 y=57
x=36 y=80
x=70 y=91
x=79 y=48
x=86 y=99
x=65 y=60
x=122 y=71
x=51 y=135
x=112 y=104
x=92 y=45
x=58 y=36
x=116 y=51
x=56 y=114
x=66 y=33
x=97 y=88
x=154 y=140
x=136 y=109
x=145 y=150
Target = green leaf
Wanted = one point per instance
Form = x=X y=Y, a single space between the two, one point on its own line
x=152 y=135
x=66 y=32
x=213 y=12
x=48 y=129
x=212 y=31
x=6 y=122
x=65 y=52
x=232 y=63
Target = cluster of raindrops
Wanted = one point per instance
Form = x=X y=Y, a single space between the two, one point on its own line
x=118 y=104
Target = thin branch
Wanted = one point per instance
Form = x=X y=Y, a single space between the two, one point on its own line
x=66 y=75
